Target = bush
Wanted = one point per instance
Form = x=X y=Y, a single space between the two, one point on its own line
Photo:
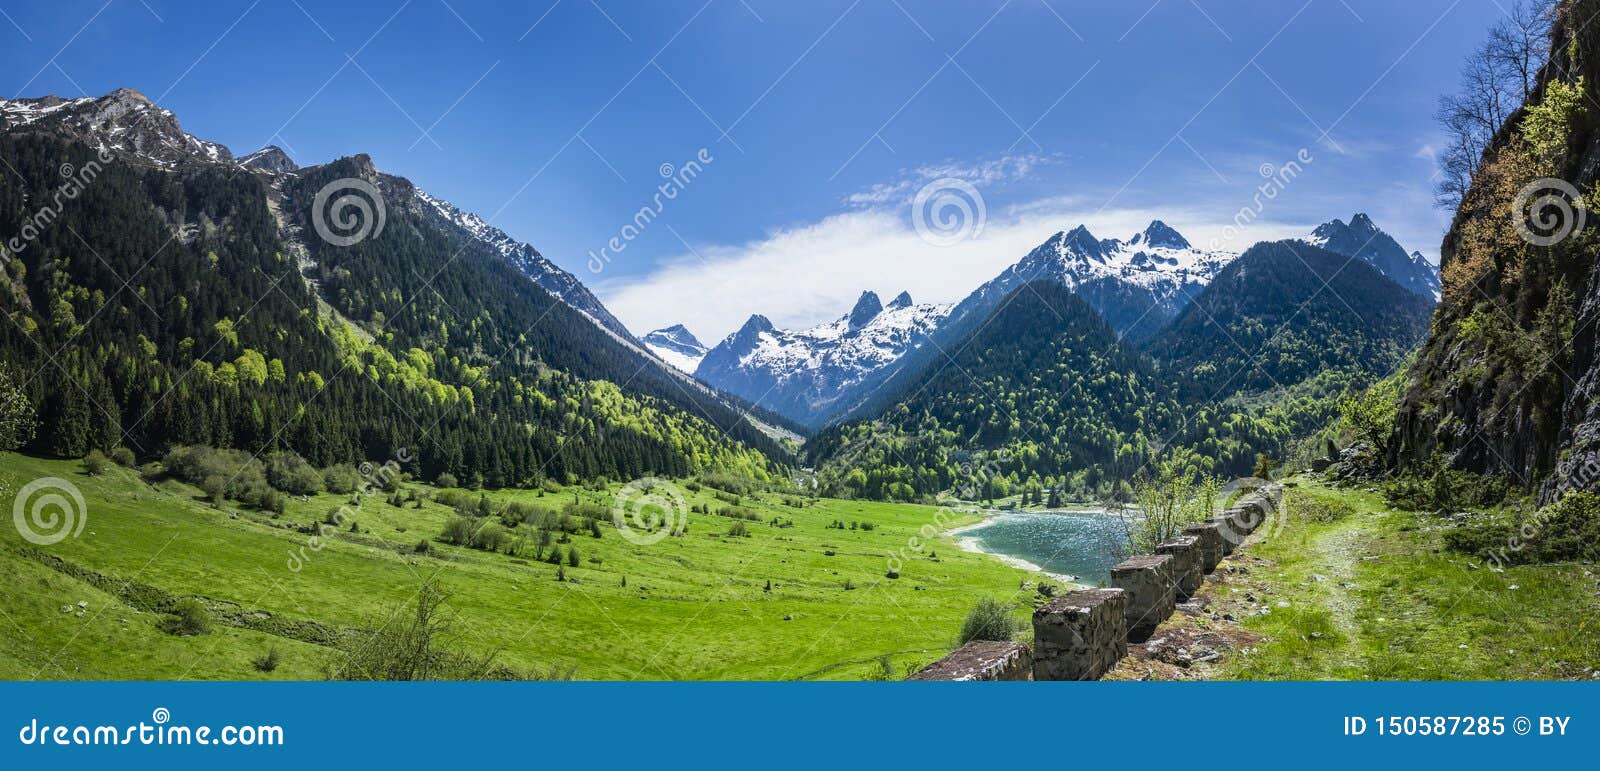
x=988 y=620
x=738 y=530
x=416 y=643
x=96 y=463
x=268 y=661
x=189 y=618
x=342 y=479
x=292 y=474
x=124 y=457
x=447 y=480
x=1320 y=510
x=1566 y=530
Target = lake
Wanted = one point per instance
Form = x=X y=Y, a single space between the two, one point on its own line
x=1082 y=544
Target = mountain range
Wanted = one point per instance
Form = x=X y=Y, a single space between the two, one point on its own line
x=248 y=328
x=808 y=375
x=1140 y=286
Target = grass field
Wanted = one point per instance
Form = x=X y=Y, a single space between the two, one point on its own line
x=1372 y=594
x=693 y=607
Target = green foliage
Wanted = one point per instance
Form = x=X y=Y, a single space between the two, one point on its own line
x=17 y=420
x=1435 y=485
x=512 y=384
x=189 y=617
x=268 y=661
x=1566 y=530
x=1547 y=127
x=1369 y=415
x=414 y=643
x=95 y=463
x=989 y=619
x=1164 y=507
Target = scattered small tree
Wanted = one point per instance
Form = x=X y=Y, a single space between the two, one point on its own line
x=189 y=618
x=989 y=619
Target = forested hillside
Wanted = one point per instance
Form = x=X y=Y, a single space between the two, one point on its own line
x=1044 y=395
x=165 y=307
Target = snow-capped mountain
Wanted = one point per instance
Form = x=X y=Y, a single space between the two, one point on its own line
x=809 y=375
x=532 y=264
x=677 y=346
x=1137 y=285
x=123 y=122
x=1361 y=238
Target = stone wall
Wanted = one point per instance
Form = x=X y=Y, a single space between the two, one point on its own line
x=1083 y=634
x=1080 y=636
x=982 y=660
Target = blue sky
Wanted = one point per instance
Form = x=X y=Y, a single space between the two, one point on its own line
x=822 y=119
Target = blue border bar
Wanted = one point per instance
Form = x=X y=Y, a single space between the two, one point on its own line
x=811 y=725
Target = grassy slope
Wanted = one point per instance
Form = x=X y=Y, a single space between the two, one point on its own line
x=1394 y=605
x=694 y=607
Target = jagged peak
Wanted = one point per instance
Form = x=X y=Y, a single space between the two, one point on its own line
x=1160 y=234
x=270 y=158
x=902 y=300
x=867 y=308
x=756 y=324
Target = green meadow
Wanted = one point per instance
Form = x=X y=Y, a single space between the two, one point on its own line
x=802 y=598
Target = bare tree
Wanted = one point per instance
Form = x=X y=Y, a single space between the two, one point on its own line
x=1496 y=79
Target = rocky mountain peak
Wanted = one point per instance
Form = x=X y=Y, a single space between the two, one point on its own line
x=1159 y=235
x=271 y=159
x=867 y=308
x=902 y=300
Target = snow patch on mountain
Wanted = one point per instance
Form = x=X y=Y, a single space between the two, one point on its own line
x=800 y=374
x=677 y=346
x=123 y=122
x=565 y=286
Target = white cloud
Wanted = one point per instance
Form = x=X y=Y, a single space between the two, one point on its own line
x=803 y=275
x=987 y=174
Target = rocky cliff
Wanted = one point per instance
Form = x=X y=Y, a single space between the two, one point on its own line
x=1508 y=382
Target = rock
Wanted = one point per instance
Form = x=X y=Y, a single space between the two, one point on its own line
x=982 y=660
x=1151 y=589
x=1081 y=635
x=66 y=608
x=1318 y=577
x=1283 y=603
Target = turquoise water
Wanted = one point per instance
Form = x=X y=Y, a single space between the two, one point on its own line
x=1083 y=544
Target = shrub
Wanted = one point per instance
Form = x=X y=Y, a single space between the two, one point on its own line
x=124 y=457
x=1320 y=510
x=292 y=474
x=457 y=531
x=342 y=479
x=446 y=480
x=189 y=618
x=416 y=643
x=268 y=661
x=988 y=620
x=738 y=530
x=96 y=463
x=1568 y=529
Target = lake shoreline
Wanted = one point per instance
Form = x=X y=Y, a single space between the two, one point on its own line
x=977 y=545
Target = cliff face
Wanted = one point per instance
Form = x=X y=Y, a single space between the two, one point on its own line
x=1508 y=382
